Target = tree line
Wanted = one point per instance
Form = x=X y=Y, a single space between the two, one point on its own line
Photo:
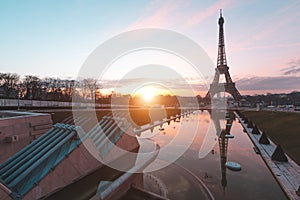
x=32 y=87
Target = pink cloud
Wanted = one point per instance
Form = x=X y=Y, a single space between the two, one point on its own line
x=281 y=18
x=208 y=12
x=168 y=14
x=269 y=46
x=163 y=17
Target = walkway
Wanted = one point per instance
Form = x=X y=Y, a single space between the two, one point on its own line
x=286 y=173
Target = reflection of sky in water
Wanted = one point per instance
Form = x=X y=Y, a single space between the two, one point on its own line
x=186 y=126
x=254 y=181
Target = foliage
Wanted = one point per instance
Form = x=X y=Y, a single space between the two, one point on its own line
x=51 y=89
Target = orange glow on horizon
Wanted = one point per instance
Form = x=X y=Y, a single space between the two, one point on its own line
x=148 y=93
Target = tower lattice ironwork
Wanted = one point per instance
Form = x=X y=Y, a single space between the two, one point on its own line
x=222 y=69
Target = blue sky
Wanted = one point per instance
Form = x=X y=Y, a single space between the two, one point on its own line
x=54 y=38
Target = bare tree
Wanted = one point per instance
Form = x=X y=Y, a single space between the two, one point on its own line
x=9 y=83
x=69 y=86
x=89 y=87
x=33 y=87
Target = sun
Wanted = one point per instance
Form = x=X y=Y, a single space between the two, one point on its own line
x=147 y=93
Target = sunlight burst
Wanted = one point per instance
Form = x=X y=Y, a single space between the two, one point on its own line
x=147 y=93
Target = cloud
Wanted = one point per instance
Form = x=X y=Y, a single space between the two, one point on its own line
x=296 y=44
x=168 y=14
x=272 y=26
x=255 y=83
x=293 y=68
x=119 y=83
x=178 y=85
x=162 y=16
x=200 y=16
x=269 y=83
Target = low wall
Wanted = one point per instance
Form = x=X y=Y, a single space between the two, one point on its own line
x=36 y=103
x=18 y=129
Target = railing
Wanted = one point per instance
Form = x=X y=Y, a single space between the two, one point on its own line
x=114 y=186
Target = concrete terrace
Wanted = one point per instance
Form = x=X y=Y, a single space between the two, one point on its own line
x=60 y=157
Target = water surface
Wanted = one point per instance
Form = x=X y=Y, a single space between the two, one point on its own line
x=254 y=181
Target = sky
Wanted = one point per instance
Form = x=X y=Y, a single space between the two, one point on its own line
x=54 y=38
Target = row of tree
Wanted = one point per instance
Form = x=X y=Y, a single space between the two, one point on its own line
x=275 y=99
x=54 y=89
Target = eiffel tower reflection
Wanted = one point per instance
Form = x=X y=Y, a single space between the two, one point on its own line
x=223 y=135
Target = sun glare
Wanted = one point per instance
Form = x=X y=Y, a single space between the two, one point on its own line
x=147 y=93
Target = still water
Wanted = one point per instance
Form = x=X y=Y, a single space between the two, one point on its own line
x=201 y=170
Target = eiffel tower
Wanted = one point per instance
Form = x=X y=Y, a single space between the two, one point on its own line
x=222 y=69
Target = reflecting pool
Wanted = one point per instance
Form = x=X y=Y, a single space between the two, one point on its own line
x=200 y=172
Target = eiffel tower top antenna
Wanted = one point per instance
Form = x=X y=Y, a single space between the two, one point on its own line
x=222 y=62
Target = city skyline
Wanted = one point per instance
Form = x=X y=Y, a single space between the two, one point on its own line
x=54 y=39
